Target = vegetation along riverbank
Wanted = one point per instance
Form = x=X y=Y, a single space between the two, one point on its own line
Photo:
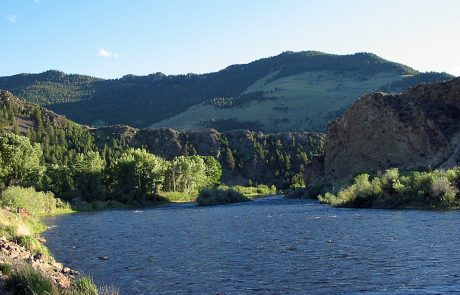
x=437 y=189
x=26 y=265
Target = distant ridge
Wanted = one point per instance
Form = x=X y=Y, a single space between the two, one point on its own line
x=292 y=91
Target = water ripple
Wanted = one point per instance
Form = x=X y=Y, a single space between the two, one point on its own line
x=271 y=246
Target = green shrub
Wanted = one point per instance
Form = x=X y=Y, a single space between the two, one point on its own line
x=432 y=189
x=25 y=280
x=216 y=196
x=36 y=203
x=178 y=196
x=443 y=192
x=261 y=189
x=453 y=175
x=328 y=198
x=82 y=286
x=6 y=269
x=7 y=231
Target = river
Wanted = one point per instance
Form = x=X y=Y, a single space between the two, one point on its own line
x=269 y=246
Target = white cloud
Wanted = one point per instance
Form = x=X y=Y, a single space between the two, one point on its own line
x=106 y=53
x=36 y=1
x=11 y=17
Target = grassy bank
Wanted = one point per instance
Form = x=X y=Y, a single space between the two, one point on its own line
x=27 y=280
x=25 y=262
x=438 y=189
x=21 y=209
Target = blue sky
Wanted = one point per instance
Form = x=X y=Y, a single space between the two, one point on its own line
x=112 y=38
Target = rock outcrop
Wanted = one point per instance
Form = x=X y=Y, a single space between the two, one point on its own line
x=416 y=129
x=14 y=254
x=26 y=120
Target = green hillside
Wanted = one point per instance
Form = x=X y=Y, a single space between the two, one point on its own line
x=51 y=87
x=305 y=101
x=290 y=91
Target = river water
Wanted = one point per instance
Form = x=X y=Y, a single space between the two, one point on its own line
x=269 y=246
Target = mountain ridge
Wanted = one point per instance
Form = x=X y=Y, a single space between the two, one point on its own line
x=286 y=92
x=56 y=72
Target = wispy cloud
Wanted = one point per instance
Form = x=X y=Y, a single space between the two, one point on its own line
x=36 y=1
x=105 y=53
x=11 y=18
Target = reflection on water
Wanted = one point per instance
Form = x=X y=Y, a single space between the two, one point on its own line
x=270 y=246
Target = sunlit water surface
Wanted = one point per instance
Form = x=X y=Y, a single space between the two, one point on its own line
x=269 y=246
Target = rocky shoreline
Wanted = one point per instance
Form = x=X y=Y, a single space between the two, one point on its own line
x=15 y=255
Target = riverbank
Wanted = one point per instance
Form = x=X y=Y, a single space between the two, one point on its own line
x=17 y=256
x=429 y=190
x=26 y=264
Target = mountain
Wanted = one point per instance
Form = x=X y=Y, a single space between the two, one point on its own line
x=293 y=91
x=417 y=129
x=245 y=156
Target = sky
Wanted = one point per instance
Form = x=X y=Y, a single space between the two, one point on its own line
x=112 y=38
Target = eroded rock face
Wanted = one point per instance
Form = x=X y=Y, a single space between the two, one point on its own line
x=415 y=129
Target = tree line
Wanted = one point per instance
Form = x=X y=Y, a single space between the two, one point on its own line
x=135 y=176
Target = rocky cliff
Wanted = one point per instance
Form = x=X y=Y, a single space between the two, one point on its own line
x=417 y=128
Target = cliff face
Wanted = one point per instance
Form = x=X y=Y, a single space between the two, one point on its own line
x=418 y=128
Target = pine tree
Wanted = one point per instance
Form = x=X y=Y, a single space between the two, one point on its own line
x=229 y=159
